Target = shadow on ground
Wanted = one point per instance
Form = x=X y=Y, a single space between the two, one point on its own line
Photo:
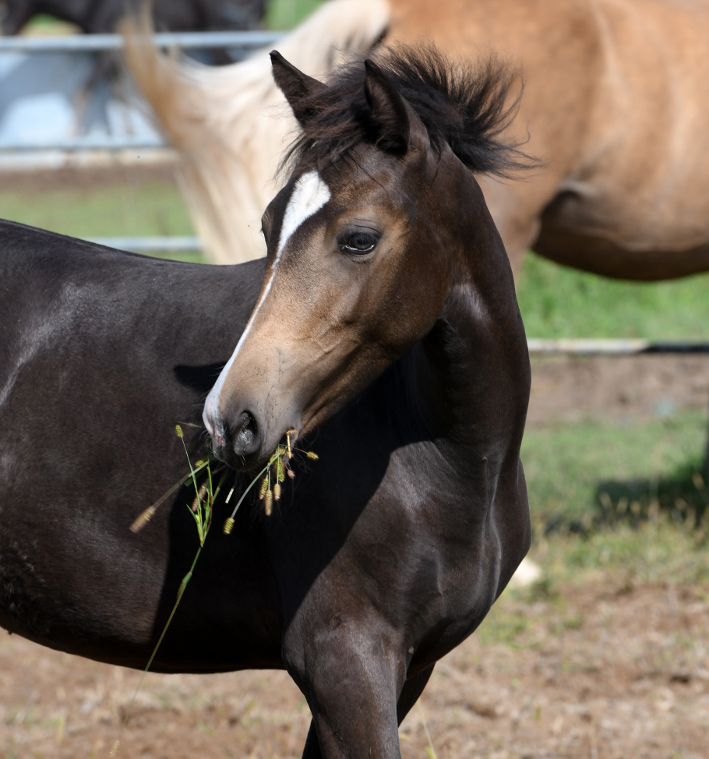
x=682 y=494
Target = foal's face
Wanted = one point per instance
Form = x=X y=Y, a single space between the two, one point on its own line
x=352 y=281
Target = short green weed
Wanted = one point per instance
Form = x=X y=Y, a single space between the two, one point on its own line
x=586 y=475
x=285 y=14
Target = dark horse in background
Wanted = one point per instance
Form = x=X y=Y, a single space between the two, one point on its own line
x=102 y=16
x=382 y=326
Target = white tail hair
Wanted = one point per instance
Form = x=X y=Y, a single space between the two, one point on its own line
x=230 y=124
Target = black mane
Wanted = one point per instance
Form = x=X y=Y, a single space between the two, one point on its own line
x=460 y=104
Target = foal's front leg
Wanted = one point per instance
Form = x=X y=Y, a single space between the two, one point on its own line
x=413 y=688
x=352 y=675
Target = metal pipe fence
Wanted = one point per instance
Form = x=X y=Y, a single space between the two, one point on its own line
x=90 y=143
x=151 y=244
x=53 y=76
x=95 y=43
x=611 y=347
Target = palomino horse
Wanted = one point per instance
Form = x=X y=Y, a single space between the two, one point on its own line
x=613 y=105
x=385 y=331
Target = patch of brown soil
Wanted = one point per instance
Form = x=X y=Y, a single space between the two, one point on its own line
x=597 y=671
x=569 y=389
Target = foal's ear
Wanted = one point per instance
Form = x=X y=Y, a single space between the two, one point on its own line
x=296 y=86
x=399 y=126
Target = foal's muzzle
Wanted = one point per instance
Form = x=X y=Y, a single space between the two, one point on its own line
x=236 y=439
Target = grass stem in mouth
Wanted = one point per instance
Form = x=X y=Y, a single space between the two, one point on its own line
x=268 y=492
x=202 y=509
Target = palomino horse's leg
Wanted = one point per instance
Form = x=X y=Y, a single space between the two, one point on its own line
x=410 y=693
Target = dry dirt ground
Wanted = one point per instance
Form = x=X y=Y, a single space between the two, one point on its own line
x=600 y=671
x=566 y=389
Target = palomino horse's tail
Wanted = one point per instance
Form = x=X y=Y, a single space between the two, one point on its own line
x=226 y=122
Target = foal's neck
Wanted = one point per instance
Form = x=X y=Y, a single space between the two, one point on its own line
x=473 y=369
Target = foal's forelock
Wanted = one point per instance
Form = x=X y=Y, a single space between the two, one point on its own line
x=309 y=194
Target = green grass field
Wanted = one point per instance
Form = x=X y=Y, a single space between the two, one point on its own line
x=582 y=476
x=153 y=208
x=150 y=208
x=285 y=14
x=625 y=499
x=560 y=302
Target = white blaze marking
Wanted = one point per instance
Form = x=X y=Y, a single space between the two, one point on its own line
x=309 y=195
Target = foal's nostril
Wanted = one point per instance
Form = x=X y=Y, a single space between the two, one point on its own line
x=245 y=434
x=215 y=427
x=217 y=435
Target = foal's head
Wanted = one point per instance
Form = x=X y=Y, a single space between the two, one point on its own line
x=365 y=240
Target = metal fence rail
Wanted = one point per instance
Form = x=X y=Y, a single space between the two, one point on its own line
x=91 y=143
x=150 y=244
x=611 y=347
x=95 y=43
x=53 y=76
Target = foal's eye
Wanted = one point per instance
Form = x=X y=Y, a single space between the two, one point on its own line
x=357 y=242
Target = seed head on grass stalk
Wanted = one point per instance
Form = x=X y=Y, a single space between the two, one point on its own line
x=277 y=467
x=148 y=514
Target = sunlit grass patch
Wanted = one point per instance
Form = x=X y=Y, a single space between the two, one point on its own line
x=285 y=14
x=658 y=550
x=123 y=210
x=44 y=25
x=621 y=503
x=588 y=474
x=560 y=302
